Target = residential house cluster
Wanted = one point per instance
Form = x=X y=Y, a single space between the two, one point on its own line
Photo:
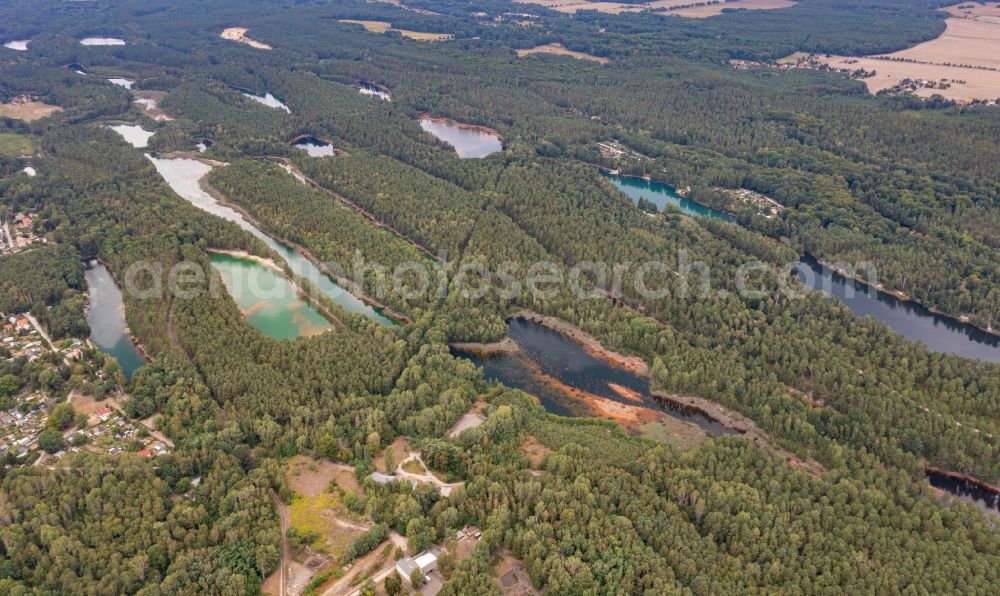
x=111 y=432
x=21 y=338
x=18 y=233
x=20 y=425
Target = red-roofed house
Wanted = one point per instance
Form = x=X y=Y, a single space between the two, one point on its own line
x=103 y=414
x=144 y=453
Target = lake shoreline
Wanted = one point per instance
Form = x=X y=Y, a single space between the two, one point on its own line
x=462 y=125
x=898 y=294
x=706 y=408
x=904 y=297
x=591 y=344
x=992 y=488
x=270 y=264
x=347 y=284
x=127 y=331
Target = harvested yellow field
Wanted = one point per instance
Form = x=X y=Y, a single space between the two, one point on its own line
x=421 y=36
x=382 y=27
x=978 y=11
x=556 y=48
x=373 y=26
x=711 y=10
x=572 y=6
x=29 y=111
x=672 y=7
x=965 y=42
x=965 y=84
x=239 y=34
x=966 y=57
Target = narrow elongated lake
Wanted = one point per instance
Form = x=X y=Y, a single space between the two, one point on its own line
x=315 y=147
x=106 y=317
x=183 y=175
x=940 y=334
x=366 y=88
x=468 y=142
x=662 y=195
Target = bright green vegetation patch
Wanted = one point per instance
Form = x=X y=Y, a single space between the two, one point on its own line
x=15 y=145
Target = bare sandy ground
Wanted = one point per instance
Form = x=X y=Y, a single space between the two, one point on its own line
x=28 y=111
x=240 y=34
x=555 y=48
x=967 y=55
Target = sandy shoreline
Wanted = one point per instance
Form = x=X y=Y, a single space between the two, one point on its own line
x=347 y=284
x=270 y=264
x=705 y=407
x=462 y=125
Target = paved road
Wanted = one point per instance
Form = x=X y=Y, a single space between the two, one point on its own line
x=10 y=238
x=45 y=336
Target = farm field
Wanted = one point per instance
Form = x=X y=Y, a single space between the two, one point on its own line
x=671 y=7
x=15 y=145
x=383 y=26
x=29 y=111
x=711 y=10
x=966 y=55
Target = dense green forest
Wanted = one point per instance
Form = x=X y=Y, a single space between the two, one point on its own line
x=908 y=185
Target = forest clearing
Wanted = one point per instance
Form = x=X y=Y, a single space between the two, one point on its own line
x=558 y=49
x=239 y=34
x=26 y=110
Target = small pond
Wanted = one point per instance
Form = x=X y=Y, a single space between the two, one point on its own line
x=268 y=100
x=468 y=141
x=102 y=41
x=136 y=135
x=315 y=147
